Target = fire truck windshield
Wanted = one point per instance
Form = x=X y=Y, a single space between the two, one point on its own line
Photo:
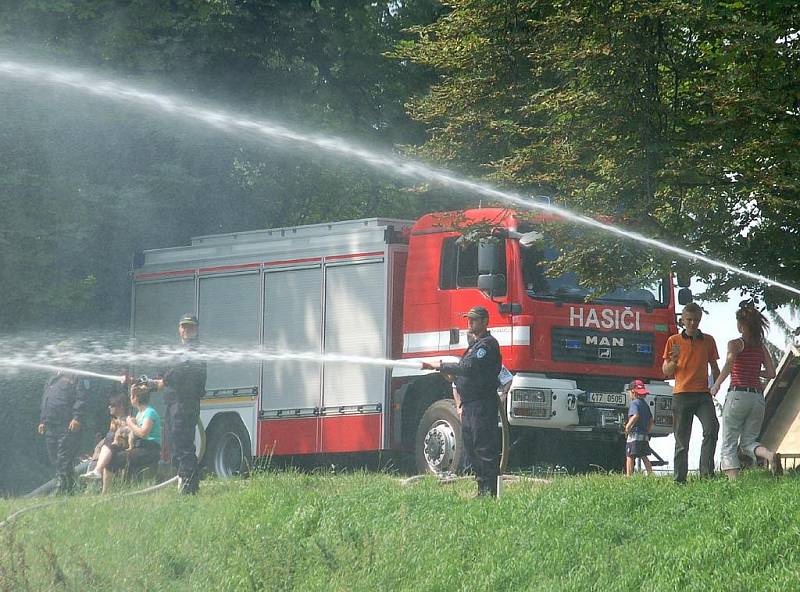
x=565 y=287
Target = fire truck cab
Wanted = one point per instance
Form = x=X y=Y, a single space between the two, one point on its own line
x=571 y=359
x=396 y=289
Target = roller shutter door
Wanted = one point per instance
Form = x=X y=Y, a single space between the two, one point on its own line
x=228 y=313
x=158 y=306
x=355 y=324
x=292 y=323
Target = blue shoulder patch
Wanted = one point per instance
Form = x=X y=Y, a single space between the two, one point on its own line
x=481 y=353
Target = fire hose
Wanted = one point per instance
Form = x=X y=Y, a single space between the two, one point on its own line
x=505 y=430
x=150 y=489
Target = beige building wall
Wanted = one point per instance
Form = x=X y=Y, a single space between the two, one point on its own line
x=783 y=434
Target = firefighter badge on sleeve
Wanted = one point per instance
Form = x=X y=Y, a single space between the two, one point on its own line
x=481 y=353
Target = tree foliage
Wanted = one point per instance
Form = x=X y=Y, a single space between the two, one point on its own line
x=677 y=119
x=84 y=184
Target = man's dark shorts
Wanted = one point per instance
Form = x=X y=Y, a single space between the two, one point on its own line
x=638 y=449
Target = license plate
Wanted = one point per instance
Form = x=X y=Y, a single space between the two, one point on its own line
x=607 y=398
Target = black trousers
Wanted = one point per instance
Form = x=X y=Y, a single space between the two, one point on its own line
x=479 y=432
x=62 y=448
x=685 y=407
x=144 y=454
x=182 y=416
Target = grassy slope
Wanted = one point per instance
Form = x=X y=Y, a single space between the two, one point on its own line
x=365 y=532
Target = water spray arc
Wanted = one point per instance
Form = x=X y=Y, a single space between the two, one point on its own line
x=264 y=129
x=74 y=361
x=37 y=358
x=63 y=370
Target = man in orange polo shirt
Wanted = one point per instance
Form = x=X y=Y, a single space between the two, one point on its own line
x=687 y=358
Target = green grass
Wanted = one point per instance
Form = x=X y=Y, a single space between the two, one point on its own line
x=284 y=531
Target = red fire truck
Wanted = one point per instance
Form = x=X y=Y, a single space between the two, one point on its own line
x=397 y=289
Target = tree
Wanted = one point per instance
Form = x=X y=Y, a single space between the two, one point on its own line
x=676 y=119
x=88 y=183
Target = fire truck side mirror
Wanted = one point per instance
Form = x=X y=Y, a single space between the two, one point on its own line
x=683 y=278
x=685 y=296
x=529 y=239
x=487 y=256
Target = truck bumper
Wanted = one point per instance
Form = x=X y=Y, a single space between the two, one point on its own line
x=538 y=402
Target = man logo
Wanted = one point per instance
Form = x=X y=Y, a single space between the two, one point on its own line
x=604 y=340
x=604 y=353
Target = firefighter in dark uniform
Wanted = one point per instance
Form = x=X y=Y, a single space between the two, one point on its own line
x=184 y=385
x=476 y=383
x=64 y=408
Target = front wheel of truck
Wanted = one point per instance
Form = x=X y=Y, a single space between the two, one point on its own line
x=438 y=446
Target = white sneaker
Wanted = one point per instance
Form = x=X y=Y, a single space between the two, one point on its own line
x=91 y=475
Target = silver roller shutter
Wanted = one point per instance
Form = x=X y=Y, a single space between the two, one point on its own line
x=292 y=322
x=355 y=324
x=158 y=306
x=228 y=313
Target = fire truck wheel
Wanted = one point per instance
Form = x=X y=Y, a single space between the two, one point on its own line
x=228 y=450
x=438 y=447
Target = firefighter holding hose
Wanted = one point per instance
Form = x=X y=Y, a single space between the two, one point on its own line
x=476 y=382
x=184 y=385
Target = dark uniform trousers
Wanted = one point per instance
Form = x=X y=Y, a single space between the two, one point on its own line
x=182 y=415
x=62 y=448
x=186 y=384
x=481 y=446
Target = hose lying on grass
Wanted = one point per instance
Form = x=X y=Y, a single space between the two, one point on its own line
x=448 y=478
x=150 y=489
x=505 y=430
x=83 y=467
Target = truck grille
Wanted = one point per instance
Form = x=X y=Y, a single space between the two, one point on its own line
x=536 y=403
x=615 y=348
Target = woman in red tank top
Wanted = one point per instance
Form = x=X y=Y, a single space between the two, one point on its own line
x=743 y=412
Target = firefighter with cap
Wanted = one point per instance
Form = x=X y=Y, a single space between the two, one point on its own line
x=64 y=409
x=476 y=382
x=184 y=385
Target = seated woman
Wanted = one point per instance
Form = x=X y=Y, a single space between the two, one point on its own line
x=134 y=445
x=146 y=433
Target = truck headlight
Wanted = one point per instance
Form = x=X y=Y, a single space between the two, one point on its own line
x=531 y=402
